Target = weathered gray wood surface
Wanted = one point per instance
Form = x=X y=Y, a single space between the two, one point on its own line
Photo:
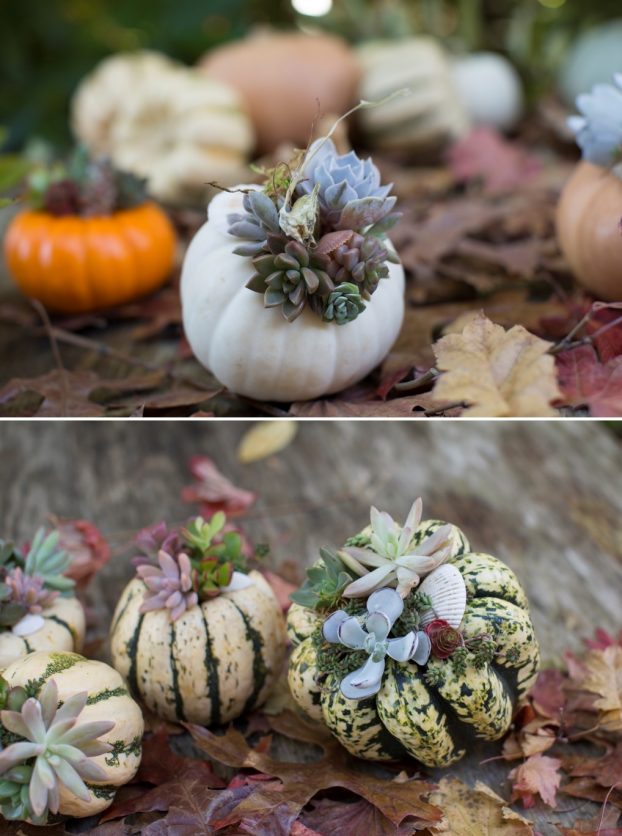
x=544 y=497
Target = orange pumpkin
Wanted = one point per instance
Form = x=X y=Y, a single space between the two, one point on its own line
x=588 y=228
x=74 y=264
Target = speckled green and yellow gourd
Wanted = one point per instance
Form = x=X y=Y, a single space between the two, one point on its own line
x=214 y=663
x=431 y=712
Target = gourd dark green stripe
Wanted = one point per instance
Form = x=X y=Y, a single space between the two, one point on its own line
x=132 y=648
x=179 y=703
x=121 y=612
x=62 y=623
x=28 y=646
x=260 y=669
x=211 y=668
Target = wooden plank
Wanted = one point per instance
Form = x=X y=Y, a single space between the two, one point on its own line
x=544 y=497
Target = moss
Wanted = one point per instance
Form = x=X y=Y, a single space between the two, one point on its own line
x=100 y=696
x=120 y=747
x=58 y=662
x=335 y=658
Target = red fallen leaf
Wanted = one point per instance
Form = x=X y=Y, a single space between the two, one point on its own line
x=609 y=343
x=189 y=803
x=484 y=154
x=602 y=640
x=585 y=381
x=606 y=770
x=214 y=491
x=281 y=588
x=159 y=762
x=302 y=781
x=336 y=818
x=86 y=546
x=538 y=775
x=548 y=694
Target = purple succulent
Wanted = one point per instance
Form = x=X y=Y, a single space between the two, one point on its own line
x=153 y=539
x=169 y=585
x=350 y=193
x=29 y=590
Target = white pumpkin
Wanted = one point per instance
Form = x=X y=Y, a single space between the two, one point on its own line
x=430 y=116
x=163 y=121
x=253 y=350
x=108 y=699
x=490 y=89
x=59 y=627
x=216 y=661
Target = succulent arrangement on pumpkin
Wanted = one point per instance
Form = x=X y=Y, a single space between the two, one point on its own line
x=315 y=233
x=38 y=610
x=590 y=207
x=90 y=238
x=310 y=242
x=406 y=642
x=55 y=710
x=198 y=634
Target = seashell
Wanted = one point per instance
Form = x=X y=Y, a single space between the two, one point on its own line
x=28 y=625
x=447 y=592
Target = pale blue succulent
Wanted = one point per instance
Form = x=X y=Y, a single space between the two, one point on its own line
x=350 y=193
x=599 y=129
x=384 y=607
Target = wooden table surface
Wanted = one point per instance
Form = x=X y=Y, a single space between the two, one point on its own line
x=544 y=497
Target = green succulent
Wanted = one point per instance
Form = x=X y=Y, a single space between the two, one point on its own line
x=344 y=304
x=324 y=584
x=289 y=277
x=200 y=537
x=51 y=750
x=48 y=561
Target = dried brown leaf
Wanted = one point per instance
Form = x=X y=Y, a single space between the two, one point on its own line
x=497 y=372
x=476 y=811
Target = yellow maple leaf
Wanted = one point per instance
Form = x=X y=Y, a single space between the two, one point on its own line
x=604 y=678
x=496 y=372
x=475 y=812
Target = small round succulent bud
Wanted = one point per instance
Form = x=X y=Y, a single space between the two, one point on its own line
x=344 y=304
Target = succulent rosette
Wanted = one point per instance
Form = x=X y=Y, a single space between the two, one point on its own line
x=598 y=129
x=38 y=609
x=407 y=642
x=318 y=236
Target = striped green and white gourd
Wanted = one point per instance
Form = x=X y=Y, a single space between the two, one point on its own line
x=427 y=118
x=62 y=630
x=433 y=723
x=108 y=699
x=215 y=662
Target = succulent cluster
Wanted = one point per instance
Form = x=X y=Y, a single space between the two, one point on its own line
x=316 y=237
x=30 y=582
x=85 y=187
x=599 y=128
x=49 y=748
x=182 y=567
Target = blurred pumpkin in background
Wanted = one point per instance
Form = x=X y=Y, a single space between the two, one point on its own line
x=425 y=119
x=286 y=80
x=91 y=239
x=589 y=214
x=165 y=122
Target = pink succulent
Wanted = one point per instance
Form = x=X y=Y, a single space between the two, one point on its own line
x=169 y=585
x=29 y=590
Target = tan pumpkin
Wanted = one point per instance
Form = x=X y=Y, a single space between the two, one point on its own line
x=216 y=661
x=282 y=76
x=165 y=122
x=588 y=228
x=428 y=117
x=107 y=700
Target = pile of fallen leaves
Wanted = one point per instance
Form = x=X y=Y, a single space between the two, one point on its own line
x=274 y=774
x=495 y=324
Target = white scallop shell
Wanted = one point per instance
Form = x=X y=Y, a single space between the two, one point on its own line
x=29 y=624
x=447 y=592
